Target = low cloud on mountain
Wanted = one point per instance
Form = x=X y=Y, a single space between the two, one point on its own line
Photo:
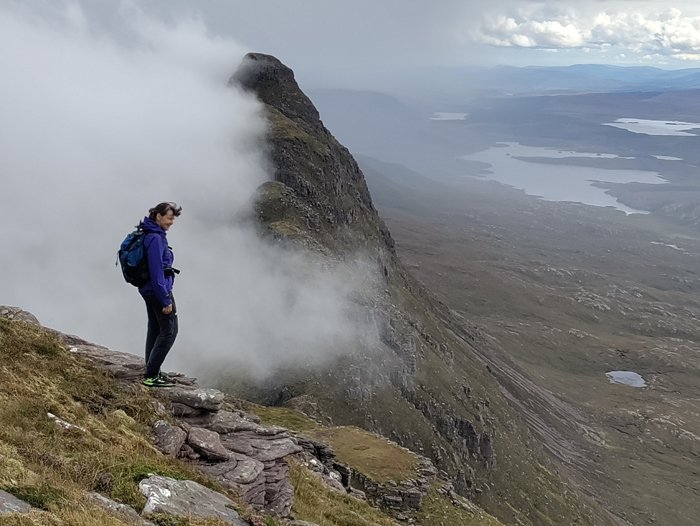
x=102 y=122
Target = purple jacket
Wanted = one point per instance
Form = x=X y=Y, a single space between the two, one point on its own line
x=160 y=257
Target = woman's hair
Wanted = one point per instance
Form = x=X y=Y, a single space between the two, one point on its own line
x=163 y=209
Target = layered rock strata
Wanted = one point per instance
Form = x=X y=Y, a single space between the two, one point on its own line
x=320 y=458
x=227 y=444
x=233 y=448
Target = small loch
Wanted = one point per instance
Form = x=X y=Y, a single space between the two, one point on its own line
x=626 y=378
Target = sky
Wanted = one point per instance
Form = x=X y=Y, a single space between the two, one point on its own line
x=333 y=43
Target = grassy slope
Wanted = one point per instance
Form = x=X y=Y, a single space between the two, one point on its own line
x=53 y=469
x=515 y=266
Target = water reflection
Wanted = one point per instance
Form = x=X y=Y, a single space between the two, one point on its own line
x=516 y=165
x=651 y=127
x=626 y=378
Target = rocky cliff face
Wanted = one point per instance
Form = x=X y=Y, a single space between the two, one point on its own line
x=325 y=195
x=424 y=383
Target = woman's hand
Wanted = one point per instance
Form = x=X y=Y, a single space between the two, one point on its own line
x=168 y=309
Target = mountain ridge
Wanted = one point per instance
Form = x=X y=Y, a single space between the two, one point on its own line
x=425 y=384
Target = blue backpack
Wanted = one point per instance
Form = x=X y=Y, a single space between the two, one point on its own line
x=133 y=260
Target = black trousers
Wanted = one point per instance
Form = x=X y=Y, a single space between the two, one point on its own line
x=162 y=331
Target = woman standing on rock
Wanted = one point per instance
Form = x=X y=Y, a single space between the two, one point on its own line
x=158 y=292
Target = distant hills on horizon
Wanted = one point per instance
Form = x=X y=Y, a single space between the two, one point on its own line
x=595 y=77
x=434 y=81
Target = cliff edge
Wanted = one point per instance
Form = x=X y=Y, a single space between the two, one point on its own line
x=424 y=383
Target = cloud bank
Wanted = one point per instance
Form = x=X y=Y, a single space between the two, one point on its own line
x=669 y=33
x=99 y=126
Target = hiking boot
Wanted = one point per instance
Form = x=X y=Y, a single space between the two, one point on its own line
x=157 y=382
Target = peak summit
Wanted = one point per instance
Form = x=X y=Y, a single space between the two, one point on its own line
x=326 y=199
x=275 y=85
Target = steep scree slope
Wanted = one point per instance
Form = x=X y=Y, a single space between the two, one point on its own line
x=422 y=383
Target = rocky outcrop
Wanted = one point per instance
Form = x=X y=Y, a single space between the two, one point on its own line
x=221 y=441
x=232 y=447
x=186 y=498
x=243 y=475
x=423 y=354
x=319 y=457
x=225 y=443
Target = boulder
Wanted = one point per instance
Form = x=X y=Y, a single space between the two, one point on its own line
x=333 y=479
x=322 y=451
x=273 y=449
x=11 y=504
x=186 y=498
x=224 y=422
x=207 y=444
x=159 y=408
x=206 y=399
x=238 y=442
x=169 y=438
x=270 y=431
x=345 y=473
x=188 y=452
x=118 y=510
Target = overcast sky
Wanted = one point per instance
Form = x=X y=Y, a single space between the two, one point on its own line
x=329 y=41
x=333 y=42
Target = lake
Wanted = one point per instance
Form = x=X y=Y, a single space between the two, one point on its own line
x=447 y=116
x=651 y=127
x=557 y=182
x=626 y=378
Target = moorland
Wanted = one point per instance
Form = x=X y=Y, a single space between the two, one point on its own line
x=564 y=292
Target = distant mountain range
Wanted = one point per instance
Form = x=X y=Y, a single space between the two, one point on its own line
x=589 y=77
x=579 y=77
